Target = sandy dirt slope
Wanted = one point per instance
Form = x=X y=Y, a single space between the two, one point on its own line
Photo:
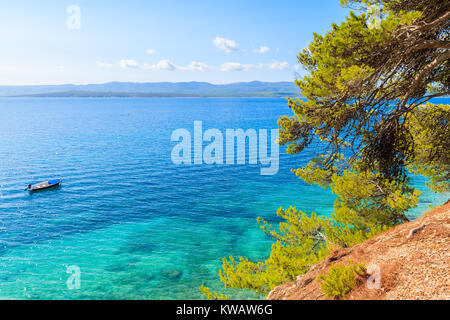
x=410 y=261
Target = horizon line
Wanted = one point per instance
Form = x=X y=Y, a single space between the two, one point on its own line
x=140 y=82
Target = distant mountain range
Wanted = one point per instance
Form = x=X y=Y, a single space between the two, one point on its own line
x=156 y=89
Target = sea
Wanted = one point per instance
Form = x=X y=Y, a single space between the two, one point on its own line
x=128 y=222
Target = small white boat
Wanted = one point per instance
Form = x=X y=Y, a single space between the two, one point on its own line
x=44 y=185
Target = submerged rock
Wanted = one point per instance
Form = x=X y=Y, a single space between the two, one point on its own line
x=172 y=274
x=138 y=248
x=143 y=277
x=117 y=267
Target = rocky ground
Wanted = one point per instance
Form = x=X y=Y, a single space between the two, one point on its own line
x=410 y=261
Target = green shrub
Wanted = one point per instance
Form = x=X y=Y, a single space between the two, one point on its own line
x=340 y=280
x=210 y=295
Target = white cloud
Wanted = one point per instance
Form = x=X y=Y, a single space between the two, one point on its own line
x=170 y=66
x=150 y=51
x=197 y=66
x=235 y=66
x=274 y=65
x=297 y=67
x=127 y=63
x=103 y=64
x=161 y=65
x=262 y=50
x=226 y=45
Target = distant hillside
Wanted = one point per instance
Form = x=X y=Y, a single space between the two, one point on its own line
x=157 y=89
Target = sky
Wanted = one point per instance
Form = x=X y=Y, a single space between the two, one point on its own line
x=97 y=41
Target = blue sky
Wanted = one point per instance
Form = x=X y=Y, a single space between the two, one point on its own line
x=151 y=41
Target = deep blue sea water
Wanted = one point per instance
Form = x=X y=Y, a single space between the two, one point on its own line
x=137 y=226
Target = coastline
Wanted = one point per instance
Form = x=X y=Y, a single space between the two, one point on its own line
x=411 y=261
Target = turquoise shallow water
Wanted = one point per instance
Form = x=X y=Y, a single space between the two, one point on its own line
x=137 y=226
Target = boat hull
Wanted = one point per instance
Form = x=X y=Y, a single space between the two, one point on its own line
x=45 y=185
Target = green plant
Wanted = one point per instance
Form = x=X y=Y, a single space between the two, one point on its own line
x=210 y=295
x=340 y=280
